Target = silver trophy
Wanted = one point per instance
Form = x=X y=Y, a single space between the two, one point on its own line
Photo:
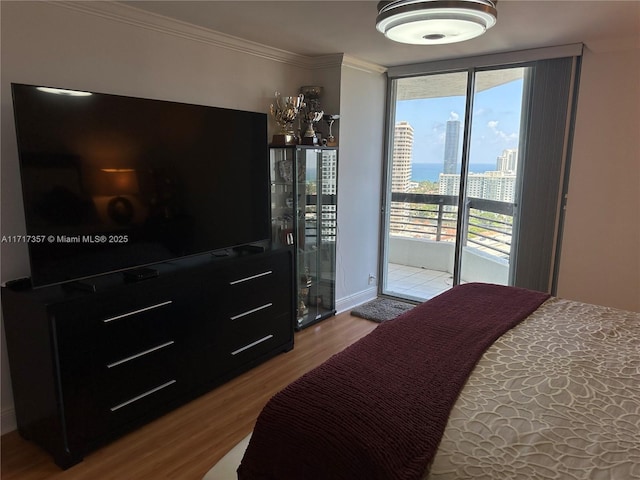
x=285 y=110
x=310 y=137
x=312 y=112
x=331 y=140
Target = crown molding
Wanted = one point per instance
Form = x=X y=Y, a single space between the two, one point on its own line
x=362 y=65
x=140 y=18
x=127 y=14
x=325 y=61
x=130 y=15
x=344 y=60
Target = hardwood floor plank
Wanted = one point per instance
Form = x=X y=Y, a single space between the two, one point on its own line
x=185 y=443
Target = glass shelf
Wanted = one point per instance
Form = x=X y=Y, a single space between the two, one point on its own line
x=304 y=214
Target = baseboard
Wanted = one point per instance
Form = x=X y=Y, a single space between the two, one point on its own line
x=8 y=420
x=352 y=301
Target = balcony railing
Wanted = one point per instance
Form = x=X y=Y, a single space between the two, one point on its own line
x=489 y=223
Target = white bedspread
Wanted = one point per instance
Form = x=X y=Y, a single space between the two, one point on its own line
x=557 y=397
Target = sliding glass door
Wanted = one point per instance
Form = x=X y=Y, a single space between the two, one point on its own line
x=453 y=180
x=429 y=122
x=491 y=178
x=476 y=157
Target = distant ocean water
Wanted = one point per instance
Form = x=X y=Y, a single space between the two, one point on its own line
x=422 y=172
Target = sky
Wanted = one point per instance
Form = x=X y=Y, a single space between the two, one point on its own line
x=495 y=123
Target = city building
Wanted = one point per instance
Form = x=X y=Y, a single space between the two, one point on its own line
x=496 y=185
x=508 y=161
x=451 y=142
x=402 y=155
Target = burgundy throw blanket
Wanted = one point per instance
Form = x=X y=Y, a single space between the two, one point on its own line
x=377 y=410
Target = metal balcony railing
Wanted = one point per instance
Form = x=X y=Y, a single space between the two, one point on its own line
x=489 y=223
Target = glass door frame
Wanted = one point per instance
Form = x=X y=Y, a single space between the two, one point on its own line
x=548 y=133
x=463 y=199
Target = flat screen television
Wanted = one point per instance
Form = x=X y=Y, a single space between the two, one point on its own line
x=112 y=182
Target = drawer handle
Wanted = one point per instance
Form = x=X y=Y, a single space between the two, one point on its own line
x=246 y=279
x=141 y=354
x=142 y=395
x=135 y=312
x=249 y=312
x=251 y=345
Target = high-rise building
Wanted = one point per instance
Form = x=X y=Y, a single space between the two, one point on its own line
x=499 y=186
x=451 y=142
x=402 y=155
x=329 y=172
x=494 y=185
x=508 y=161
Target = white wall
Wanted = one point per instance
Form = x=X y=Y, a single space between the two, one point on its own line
x=362 y=111
x=44 y=43
x=421 y=253
x=600 y=259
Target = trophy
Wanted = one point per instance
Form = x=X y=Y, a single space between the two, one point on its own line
x=331 y=140
x=310 y=137
x=312 y=113
x=284 y=111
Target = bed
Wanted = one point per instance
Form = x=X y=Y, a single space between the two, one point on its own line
x=483 y=381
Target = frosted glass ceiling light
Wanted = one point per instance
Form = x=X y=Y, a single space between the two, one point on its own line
x=434 y=22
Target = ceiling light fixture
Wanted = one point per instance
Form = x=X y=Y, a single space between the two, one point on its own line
x=435 y=22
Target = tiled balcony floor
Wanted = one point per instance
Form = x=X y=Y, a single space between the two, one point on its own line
x=415 y=283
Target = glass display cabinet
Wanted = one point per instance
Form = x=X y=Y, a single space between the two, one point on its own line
x=304 y=187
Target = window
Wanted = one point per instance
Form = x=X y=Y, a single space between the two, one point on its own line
x=476 y=166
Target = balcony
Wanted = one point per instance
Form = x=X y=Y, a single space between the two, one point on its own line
x=422 y=234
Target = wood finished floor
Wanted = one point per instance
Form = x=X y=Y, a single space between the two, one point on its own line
x=186 y=443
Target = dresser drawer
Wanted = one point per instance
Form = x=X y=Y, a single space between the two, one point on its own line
x=133 y=386
x=106 y=330
x=254 y=335
x=119 y=383
x=129 y=333
x=109 y=398
x=150 y=398
x=243 y=316
x=259 y=282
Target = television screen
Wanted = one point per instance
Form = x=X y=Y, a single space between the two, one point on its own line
x=112 y=182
